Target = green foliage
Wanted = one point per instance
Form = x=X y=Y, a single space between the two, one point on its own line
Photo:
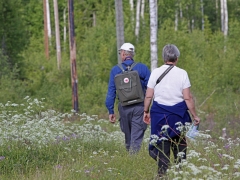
x=211 y=60
x=12 y=30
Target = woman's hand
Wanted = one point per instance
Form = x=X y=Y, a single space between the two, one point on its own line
x=196 y=120
x=146 y=117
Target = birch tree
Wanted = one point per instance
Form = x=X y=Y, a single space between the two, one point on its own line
x=176 y=17
x=137 y=18
x=64 y=29
x=225 y=18
x=222 y=15
x=202 y=11
x=180 y=9
x=142 y=9
x=132 y=11
x=153 y=33
x=119 y=25
x=58 y=45
x=48 y=21
x=45 y=30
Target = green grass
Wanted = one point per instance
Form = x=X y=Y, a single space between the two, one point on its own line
x=38 y=143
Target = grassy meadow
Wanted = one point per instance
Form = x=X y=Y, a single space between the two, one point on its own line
x=38 y=143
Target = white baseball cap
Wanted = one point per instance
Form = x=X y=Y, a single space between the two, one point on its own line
x=127 y=47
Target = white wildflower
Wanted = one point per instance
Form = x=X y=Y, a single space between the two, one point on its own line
x=181 y=154
x=163 y=139
x=164 y=127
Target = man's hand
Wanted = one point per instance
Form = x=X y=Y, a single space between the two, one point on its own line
x=146 y=118
x=112 y=118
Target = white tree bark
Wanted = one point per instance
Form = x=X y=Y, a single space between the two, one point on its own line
x=193 y=21
x=64 y=28
x=137 y=18
x=156 y=7
x=153 y=34
x=202 y=10
x=180 y=9
x=94 y=18
x=176 y=19
x=225 y=18
x=48 y=21
x=222 y=15
x=119 y=25
x=217 y=11
x=142 y=8
x=58 y=45
x=132 y=11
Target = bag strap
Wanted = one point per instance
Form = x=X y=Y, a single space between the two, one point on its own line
x=129 y=67
x=164 y=73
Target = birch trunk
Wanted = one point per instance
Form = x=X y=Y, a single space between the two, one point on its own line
x=153 y=34
x=156 y=7
x=45 y=30
x=217 y=12
x=193 y=21
x=176 y=19
x=225 y=18
x=222 y=15
x=137 y=18
x=48 y=20
x=202 y=14
x=94 y=19
x=64 y=29
x=119 y=26
x=58 y=45
x=180 y=9
x=132 y=11
x=142 y=8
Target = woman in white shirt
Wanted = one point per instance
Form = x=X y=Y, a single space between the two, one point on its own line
x=169 y=111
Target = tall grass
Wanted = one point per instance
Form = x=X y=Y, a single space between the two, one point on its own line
x=39 y=143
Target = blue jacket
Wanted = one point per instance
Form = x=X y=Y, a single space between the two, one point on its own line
x=168 y=115
x=144 y=75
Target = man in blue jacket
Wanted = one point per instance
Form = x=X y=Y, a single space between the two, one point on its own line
x=131 y=116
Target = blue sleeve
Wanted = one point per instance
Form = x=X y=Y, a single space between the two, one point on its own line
x=111 y=94
x=146 y=76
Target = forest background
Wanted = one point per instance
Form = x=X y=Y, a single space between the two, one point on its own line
x=211 y=59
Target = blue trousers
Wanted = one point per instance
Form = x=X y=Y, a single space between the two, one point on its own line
x=132 y=125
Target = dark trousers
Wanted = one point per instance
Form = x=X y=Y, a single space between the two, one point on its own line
x=177 y=145
x=132 y=125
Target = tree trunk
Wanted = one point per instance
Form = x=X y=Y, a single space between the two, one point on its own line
x=142 y=9
x=217 y=12
x=202 y=10
x=153 y=33
x=132 y=12
x=156 y=9
x=137 y=18
x=225 y=18
x=180 y=9
x=58 y=45
x=222 y=15
x=64 y=29
x=193 y=21
x=176 y=19
x=94 y=18
x=45 y=30
x=119 y=26
x=72 y=45
x=48 y=21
